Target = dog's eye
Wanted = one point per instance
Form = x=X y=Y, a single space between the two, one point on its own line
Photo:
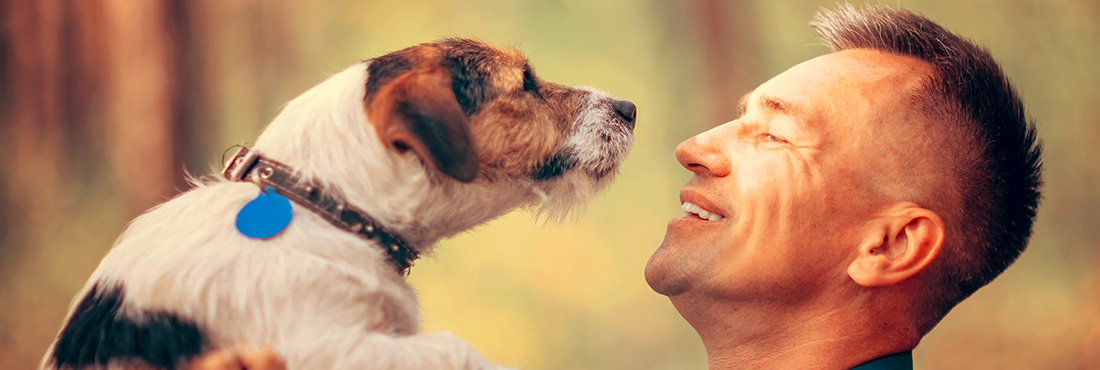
x=529 y=83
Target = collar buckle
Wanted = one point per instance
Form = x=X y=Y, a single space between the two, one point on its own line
x=240 y=164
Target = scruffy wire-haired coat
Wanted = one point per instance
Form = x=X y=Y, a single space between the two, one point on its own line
x=380 y=161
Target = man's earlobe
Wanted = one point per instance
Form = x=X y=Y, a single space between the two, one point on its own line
x=898 y=245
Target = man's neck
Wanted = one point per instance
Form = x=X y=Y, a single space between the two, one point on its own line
x=784 y=337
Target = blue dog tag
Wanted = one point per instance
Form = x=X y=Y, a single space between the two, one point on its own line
x=265 y=216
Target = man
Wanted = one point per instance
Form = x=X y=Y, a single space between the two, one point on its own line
x=859 y=197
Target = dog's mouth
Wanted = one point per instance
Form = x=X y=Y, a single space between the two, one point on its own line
x=555 y=166
x=602 y=134
x=558 y=164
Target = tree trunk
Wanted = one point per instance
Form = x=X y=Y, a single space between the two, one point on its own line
x=729 y=53
x=95 y=96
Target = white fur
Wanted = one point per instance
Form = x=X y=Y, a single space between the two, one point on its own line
x=321 y=297
x=593 y=154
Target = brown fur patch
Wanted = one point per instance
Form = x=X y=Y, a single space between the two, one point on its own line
x=417 y=111
x=516 y=121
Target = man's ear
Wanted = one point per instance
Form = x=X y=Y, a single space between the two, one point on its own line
x=418 y=111
x=897 y=245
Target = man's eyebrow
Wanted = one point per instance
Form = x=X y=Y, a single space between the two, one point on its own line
x=771 y=104
x=777 y=105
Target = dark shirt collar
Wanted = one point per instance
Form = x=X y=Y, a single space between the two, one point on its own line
x=897 y=361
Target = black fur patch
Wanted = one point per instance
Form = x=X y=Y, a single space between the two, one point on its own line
x=385 y=68
x=470 y=63
x=555 y=166
x=465 y=59
x=98 y=333
x=529 y=83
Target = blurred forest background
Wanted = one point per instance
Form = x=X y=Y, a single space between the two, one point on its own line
x=105 y=104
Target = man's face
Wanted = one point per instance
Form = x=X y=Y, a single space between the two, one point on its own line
x=785 y=186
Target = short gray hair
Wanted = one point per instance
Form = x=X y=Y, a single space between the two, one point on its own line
x=1000 y=190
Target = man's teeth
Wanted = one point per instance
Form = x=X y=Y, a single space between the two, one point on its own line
x=692 y=209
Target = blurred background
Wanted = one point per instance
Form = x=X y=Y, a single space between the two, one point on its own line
x=105 y=104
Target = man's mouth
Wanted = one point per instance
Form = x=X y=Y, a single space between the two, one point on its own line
x=690 y=209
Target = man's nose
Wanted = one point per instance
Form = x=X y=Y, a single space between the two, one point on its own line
x=705 y=154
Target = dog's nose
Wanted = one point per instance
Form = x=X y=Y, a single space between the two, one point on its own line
x=627 y=110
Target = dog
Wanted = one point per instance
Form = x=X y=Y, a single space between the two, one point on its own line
x=379 y=162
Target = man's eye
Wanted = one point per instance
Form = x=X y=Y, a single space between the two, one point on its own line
x=774 y=138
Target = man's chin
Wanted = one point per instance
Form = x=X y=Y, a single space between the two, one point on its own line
x=663 y=277
x=670 y=288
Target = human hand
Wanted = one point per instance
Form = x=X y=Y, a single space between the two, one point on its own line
x=239 y=358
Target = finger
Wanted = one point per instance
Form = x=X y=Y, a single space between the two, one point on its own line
x=216 y=360
x=262 y=359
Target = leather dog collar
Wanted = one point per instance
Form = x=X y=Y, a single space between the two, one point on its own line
x=250 y=166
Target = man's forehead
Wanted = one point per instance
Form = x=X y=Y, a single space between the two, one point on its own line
x=873 y=69
x=848 y=80
x=856 y=66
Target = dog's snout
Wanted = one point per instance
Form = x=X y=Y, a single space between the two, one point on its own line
x=627 y=110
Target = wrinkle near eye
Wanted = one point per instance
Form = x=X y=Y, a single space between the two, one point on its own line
x=804 y=160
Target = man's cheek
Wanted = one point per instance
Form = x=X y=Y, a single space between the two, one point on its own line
x=755 y=179
x=772 y=184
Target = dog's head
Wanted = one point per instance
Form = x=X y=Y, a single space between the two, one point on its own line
x=442 y=136
x=473 y=111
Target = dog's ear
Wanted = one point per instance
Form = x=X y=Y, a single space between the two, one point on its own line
x=418 y=111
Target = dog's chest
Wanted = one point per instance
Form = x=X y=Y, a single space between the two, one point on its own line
x=186 y=258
